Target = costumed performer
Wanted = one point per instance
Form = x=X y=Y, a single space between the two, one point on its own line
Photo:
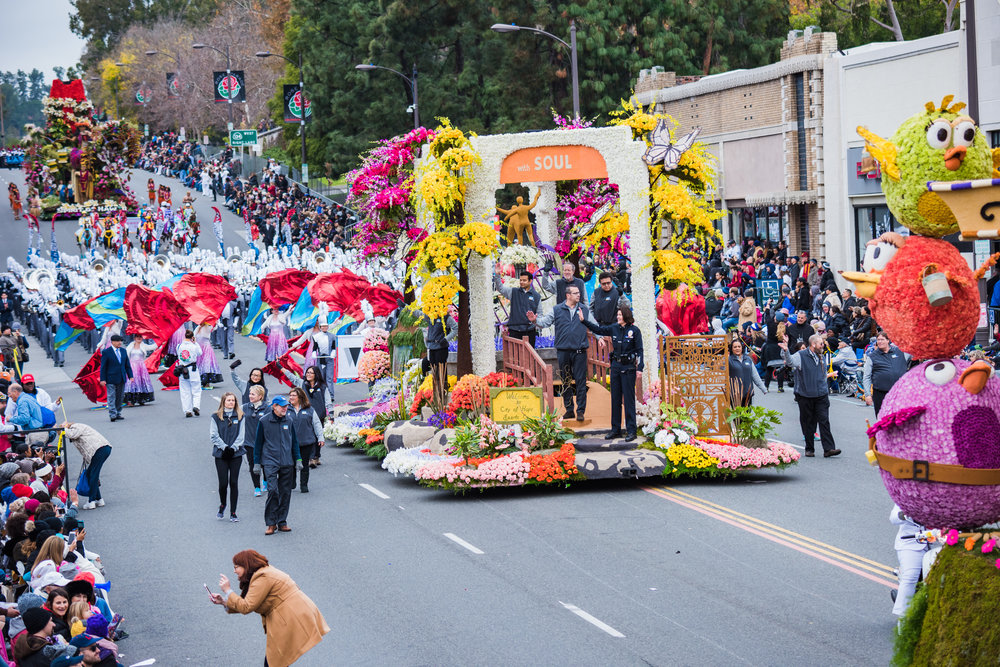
x=208 y=365
x=139 y=388
x=277 y=342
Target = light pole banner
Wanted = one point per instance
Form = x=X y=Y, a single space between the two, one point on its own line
x=293 y=104
x=173 y=84
x=143 y=94
x=229 y=86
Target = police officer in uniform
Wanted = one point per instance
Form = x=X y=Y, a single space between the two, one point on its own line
x=626 y=361
x=604 y=301
x=522 y=300
x=886 y=364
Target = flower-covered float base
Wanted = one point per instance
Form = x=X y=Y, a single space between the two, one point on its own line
x=107 y=207
x=951 y=619
x=460 y=447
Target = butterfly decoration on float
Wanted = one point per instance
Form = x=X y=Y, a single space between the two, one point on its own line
x=664 y=150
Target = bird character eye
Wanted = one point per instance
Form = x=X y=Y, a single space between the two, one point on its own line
x=877 y=255
x=939 y=134
x=964 y=133
x=940 y=372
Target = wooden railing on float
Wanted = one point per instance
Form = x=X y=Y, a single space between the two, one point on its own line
x=529 y=369
x=599 y=363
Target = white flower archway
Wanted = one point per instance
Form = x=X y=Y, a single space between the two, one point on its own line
x=623 y=159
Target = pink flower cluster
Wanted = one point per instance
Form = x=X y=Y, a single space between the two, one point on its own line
x=579 y=205
x=381 y=192
x=373 y=366
x=375 y=339
x=567 y=123
x=740 y=457
x=509 y=470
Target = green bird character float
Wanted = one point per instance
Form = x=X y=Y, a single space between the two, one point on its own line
x=939 y=144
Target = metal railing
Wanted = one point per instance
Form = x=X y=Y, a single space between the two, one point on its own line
x=529 y=369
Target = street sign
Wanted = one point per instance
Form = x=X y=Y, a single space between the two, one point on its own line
x=242 y=137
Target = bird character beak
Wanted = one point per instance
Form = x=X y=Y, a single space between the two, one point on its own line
x=974 y=378
x=954 y=156
x=865 y=283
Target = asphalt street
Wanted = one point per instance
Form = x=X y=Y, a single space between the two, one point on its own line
x=773 y=568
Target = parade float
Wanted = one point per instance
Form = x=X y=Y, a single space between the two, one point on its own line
x=77 y=165
x=630 y=191
x=937 y=437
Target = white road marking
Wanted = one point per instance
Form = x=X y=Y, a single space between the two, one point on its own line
x=462 y=543
x=369 y=487
x=592 y=620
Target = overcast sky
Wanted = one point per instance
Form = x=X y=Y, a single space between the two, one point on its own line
x=35 y=33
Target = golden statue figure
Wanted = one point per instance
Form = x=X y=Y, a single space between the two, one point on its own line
x=517 y=220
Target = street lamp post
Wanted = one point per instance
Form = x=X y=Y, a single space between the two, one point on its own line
x=118 y=111
x=412 y=81
x=510 y=27
x=229 y=70
x=302 y=121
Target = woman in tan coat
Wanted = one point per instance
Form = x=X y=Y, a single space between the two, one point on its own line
x=291 y=620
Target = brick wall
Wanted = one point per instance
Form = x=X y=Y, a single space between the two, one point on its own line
x=732 y=110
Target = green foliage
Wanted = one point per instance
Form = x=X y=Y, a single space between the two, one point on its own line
x=908 y=633
x=103 y=22
x=959 y=626
x=408 y=331
x=917 y=18
x=753 y=423
x=22 y=101
x=487 y=82
x=277 y=153
x=548 y=431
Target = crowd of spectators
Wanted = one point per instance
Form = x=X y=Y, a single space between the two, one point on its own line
x=55 y=596
x=280 y=213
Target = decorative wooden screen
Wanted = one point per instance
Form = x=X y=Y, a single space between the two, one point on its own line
x=695 y=369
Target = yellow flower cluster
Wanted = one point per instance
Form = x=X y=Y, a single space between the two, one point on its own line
x=437 y=252
x=445 y=173
x=676 y=203
x=614 y=225
x=439 y=293
x=479 y=237
x=636 y=117
x=691 y=457
x=672 y=267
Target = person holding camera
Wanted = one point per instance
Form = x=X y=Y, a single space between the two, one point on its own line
x=626 y=362
x=227 y=433
x=188 y=378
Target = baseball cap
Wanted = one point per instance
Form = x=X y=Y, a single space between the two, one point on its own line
x=279 y=400
x=84 y=640
x=27 y=377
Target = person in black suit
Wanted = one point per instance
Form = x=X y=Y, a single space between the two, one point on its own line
x=626 y=361
x=115 y=372
x=6 y=310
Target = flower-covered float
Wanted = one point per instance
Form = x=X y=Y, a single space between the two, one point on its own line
x=459 y=447
x=937 y=437
x=76 y=164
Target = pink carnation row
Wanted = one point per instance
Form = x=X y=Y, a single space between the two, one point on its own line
x=739 y=457
x=511 y=470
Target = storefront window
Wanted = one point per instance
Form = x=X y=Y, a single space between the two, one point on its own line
x=764 y=223
x=870 y=223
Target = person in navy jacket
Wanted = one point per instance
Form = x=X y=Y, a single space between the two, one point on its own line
x=115 y=372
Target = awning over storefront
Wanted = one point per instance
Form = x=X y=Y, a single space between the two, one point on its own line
x=783 y=198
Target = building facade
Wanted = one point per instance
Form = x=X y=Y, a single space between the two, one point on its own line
x=765 y=127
